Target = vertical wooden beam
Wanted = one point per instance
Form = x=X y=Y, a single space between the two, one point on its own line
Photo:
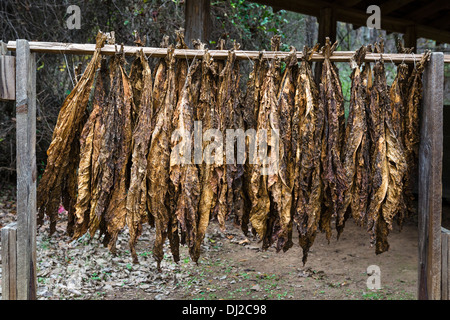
x=430 y=180
x=9 y=261
x=327 y=28
x=445 y=281
x=26 y=170
x=197 y=21
x=410 y=38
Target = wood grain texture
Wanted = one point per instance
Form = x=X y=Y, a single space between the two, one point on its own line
x=445 y=281
x=9 y=261
x=7 y=74
x=197 y=23
x=26 y=171
x=88 y=49
x=430 y=180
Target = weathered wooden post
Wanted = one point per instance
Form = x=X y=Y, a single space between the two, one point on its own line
x=430 y=180
x=445 y=281
x=197 y=21
x=9 y=232
x=26 y=170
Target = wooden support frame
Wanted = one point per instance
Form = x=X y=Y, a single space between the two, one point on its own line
x=433 y=251
x=26 y=171
x=430 y=180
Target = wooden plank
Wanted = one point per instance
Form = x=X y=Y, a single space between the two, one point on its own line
x=430 y=180
x=7 y=77
x=197 y=21
x=9 y=261
x=26 y=170
x=445 y=281
x=88 y=49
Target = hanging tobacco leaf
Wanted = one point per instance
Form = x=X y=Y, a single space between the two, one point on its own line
x=184 y=173
x=158 y=162
x=411 y=127
x=333 y=171
x=282 y=233
x=88 y=168
x=209 y=116
x=309 y=124
x=137 y=194
x=355 y=150
x=58 y=181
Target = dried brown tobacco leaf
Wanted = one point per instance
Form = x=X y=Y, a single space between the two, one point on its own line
x=158 y=162
x=137 y=193
x=66 y=137
x=397 y=110
x=89 y=152
x=275 y=145
x=184 y=173
x=411 y=127
x=118 y=140
x=379 y=165
x=235 y=159
x=333 y=171
x=259 y=193
x=224 y=99
x=209 y=117
x=355 y=148
x=250 y=103
x=361 y=183
x=286 y=102
x=309 y=123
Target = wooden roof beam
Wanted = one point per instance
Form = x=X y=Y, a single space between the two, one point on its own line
x=390 y=6
x=421 y=13
x=359 y=17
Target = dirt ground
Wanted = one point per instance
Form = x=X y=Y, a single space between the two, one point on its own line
x=333 y=271
x=230 y=267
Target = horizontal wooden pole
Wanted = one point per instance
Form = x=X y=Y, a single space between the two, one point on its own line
x=88 y=49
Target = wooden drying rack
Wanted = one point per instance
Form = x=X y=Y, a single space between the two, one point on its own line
x=18 y=82
x=88 y=49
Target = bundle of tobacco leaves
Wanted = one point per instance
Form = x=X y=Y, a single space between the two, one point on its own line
x=59 y=181
x=159 y=165
x=411 y=133
x=258 y=191
x=109 y=129
x=137 y=210
x=355 y=152
x=208 y=176
x=183 y=173
x=250 y=107
x=333 y=139
x=308 y=125
x=227 y=100
x=285 y=106
x=155 y=149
